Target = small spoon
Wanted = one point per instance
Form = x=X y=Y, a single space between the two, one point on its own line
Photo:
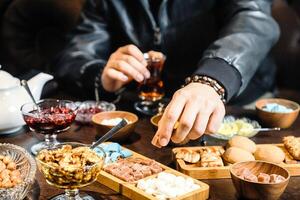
x=267 y=129
x=110 y=133
x=25 y=85
x=97 y=98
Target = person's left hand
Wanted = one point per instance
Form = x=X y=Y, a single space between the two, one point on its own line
x=198 y=109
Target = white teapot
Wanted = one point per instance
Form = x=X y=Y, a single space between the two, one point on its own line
x=13 y=96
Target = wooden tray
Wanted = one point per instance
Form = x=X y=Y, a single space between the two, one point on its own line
x=132 y=192
x=221 y=172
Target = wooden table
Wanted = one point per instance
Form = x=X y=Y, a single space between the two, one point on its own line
x=140 y=142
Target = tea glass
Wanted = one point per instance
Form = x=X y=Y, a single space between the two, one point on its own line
x=151 y=90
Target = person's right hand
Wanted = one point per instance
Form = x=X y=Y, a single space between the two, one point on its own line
x=124 y=65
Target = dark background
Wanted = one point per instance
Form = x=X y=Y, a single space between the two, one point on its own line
x=28 y=42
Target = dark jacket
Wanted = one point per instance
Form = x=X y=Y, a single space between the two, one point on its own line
x=224 y=39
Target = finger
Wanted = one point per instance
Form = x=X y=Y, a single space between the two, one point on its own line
x=155 y=141
x=133 y=51
x=200 y=123
x=116 y=75
x=186 y=121
x=216 y=119
x=169 y=118
x=137 y=65
x=128 y=70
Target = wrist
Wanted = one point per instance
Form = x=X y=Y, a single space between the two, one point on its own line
x=109 y=94
x=215 y=85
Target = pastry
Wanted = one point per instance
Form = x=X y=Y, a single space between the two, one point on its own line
x=269 y=153
x=246 y=174
x=211 y=157
x=251 y=177
x=207 y=156
x=263 y=178
x=288 y=159
x=243 y=172
x=292 y=144
x=275 y=178
x=235 y=154
x=243 y=143
x=217 y=150
x=188 y=155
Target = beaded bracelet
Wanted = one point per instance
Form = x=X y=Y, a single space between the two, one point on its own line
x=207 y=81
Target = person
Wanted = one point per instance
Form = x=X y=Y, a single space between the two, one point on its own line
x=219 y=45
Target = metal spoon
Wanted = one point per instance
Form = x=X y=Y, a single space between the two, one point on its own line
x=110 y=133
x=267 y=129
x=25 y=85
x=97 y=98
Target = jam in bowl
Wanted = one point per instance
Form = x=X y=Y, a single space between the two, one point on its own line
x=48 y=117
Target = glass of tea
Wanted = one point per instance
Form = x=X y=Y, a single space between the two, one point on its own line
x=151 y=90
x=48 y=117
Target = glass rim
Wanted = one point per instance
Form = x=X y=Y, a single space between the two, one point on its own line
x=30 y=176
x=70 y=143
x=46 y=100
x=149 y=58
x=156 y=59
x=96 y=104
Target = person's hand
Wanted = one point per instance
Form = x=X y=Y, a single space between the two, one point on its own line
x=124 y=65
x=198 y=109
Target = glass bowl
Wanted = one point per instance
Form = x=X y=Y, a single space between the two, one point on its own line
x=25 y=164
x=49 y=117
x=70 y=171
x=89 y=108
x=250 y=128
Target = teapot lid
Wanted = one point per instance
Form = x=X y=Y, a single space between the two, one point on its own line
x=7 y=80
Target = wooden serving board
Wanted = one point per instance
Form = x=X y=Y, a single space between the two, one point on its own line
x=132 y=192
x=220 y=172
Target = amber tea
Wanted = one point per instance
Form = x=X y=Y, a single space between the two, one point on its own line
x=152 y=89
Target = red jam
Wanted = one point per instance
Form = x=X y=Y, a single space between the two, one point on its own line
x=90 y=110
x=52 y=119
x=84 y=115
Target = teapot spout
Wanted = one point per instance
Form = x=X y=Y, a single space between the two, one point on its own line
x=37 y=83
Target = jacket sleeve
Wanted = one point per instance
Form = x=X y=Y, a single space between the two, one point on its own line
x=77 y=66
x=247 y=35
